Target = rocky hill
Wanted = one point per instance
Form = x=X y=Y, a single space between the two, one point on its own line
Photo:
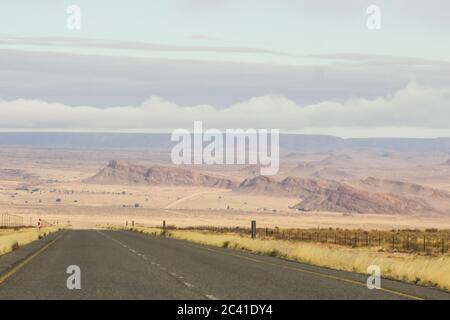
x=404 y=188
x=124 y=173
x=333 y=196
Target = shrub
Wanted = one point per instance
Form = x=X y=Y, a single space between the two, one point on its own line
x=275 y=253
x=14 y=246
x=165 y=233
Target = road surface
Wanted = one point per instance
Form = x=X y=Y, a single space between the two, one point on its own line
x=128 y=265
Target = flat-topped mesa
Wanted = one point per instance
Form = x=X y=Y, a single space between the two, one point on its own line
x=124 y=173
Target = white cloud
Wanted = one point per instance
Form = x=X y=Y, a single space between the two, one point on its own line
x=415 y=107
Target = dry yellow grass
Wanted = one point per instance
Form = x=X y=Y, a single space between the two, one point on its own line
x=425 y=270
x=10 y=238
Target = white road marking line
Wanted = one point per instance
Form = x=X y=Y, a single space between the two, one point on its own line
x=173 y=274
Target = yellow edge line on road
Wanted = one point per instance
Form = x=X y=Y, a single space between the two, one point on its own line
x=323 y=275
x=24 y=262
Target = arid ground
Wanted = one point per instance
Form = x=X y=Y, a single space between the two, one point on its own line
x=56 y=184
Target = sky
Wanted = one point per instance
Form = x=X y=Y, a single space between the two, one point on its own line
x=294 y=65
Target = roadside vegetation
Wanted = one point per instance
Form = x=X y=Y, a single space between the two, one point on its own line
x=13 y=239
x=428 y=270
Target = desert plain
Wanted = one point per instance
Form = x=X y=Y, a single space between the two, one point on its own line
x=88 y=188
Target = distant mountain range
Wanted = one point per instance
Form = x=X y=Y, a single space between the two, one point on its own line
x=162 y=141
x=374 y=195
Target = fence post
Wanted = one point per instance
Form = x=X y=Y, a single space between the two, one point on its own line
x=253 y=226
x=132 y=223
x=164 y=224
x=443 y=245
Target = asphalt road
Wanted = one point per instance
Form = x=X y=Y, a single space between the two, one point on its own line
x=126 y=265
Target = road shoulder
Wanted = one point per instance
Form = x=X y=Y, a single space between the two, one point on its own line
x=9 y=260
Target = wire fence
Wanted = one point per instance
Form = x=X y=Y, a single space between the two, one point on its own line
x=14 y=221
x=430 y=241
x=11 y=221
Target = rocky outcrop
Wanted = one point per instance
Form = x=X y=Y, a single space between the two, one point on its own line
x=124 y=173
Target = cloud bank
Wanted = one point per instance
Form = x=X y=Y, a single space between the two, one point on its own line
x=415 y=106
x=102 y=81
